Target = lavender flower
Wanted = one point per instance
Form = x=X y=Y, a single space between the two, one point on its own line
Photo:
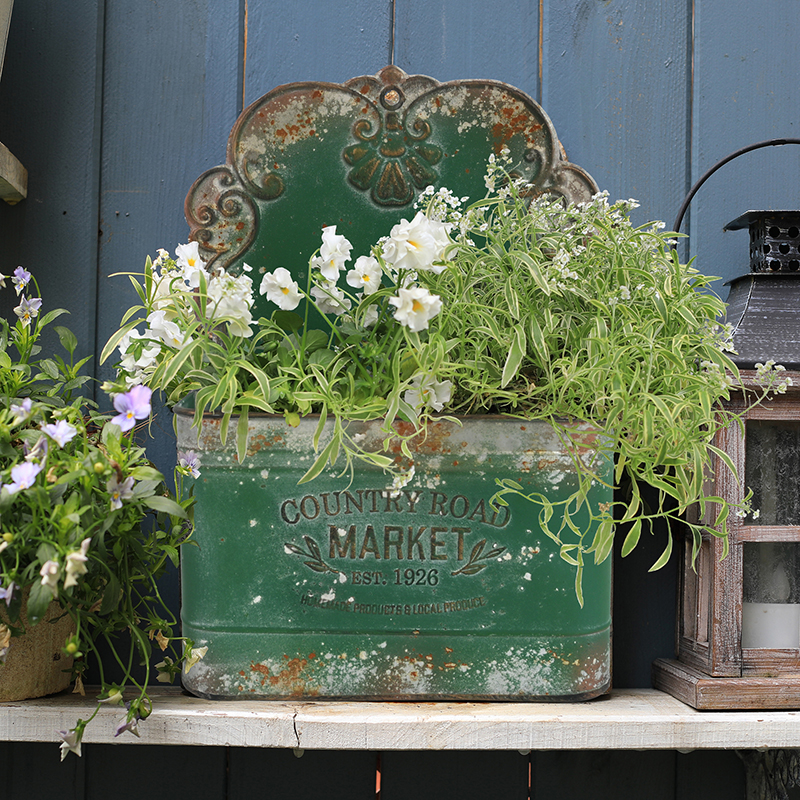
x=20 y=279
x=21 y=411
x=189 y=461
x=132 y=405
x=70 y=742
x=119 y=491
x=131 y=725
x=6 y=594
x=38 y=453
x=22 y=476
x=60 y=432
x=28 y=309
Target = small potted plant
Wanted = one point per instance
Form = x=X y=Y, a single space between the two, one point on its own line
x=526 y=309
x=87 y=526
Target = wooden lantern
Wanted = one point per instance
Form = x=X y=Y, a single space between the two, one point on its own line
x=738 y=633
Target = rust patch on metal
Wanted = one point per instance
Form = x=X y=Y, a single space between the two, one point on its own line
x=292 y=680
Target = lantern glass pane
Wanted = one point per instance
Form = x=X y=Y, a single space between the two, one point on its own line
x=771 y=595
x=772 y=468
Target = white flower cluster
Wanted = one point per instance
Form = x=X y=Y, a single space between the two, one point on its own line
x=411 y=247
x=228 y=300
x=770 y=375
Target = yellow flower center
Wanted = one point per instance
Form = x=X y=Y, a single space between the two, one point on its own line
x=416 y=306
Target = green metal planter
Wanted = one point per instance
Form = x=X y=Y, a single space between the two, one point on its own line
x=350 y=589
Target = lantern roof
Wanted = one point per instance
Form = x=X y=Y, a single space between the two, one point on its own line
x=764 y=305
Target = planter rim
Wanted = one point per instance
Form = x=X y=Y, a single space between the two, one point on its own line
x=185 y=410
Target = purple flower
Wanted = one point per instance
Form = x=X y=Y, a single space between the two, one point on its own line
x=70 y=742
x=20 y=279
x=23 y=476
x=60 y=432
x=28 y=309
x=189 y=461
x=131 y=725
x=5 y=594
x=119 y=491
x=38 y=452
x=132 y=405
x=21 y=411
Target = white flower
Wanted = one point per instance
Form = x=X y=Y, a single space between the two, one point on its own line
x=163 y=255
x=163 y=287
x=163 y=328
x=147 y=354
x=196 y=654
x=366 y=275
x=330 y=298
x=76 y=563
x=426 y=391
x=416 y=244
x=370 y=316
x=187 y=257
x=280 y=289
x=333 y=254
x=50 y=572
x=164 y=675
x=415 y=307
x=232 y=298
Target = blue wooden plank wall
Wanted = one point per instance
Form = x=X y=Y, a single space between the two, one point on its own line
x=115 y=106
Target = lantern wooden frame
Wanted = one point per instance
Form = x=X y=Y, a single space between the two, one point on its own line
x=712 y=670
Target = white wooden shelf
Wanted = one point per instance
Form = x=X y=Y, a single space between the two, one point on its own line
x=627 y=719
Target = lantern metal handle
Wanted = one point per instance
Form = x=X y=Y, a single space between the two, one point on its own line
x=693 y=191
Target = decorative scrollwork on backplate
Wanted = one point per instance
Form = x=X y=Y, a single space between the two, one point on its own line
x=222 y=215
x=392 y=160
x=304 y=151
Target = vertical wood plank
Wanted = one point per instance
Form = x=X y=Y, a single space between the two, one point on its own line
x=152 y=122
x=307 y=40
x=709 y=775
x=615 y=84
x=471 y=775
x=604 y=775
x=222 y=81
x=746 y=90
x=128 y=772
x=50 y=120
x=171 y=93
x=34 y=770
x=276 y=774
x=449 y=39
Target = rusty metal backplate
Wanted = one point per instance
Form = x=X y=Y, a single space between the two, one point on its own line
x=356 y=155
x=338 y=589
